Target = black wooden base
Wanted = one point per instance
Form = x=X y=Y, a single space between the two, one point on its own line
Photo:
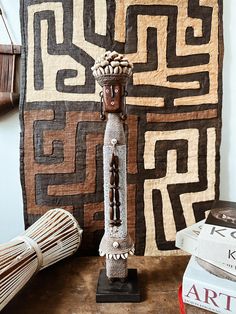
x=117 y=291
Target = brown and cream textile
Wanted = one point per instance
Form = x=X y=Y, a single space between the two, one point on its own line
x=174 y=106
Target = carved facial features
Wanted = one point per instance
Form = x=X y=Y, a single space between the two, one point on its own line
x=112 y=97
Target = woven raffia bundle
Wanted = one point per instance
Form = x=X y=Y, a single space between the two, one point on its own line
x=53 y=237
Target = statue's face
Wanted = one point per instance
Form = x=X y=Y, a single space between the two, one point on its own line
x=112 y=95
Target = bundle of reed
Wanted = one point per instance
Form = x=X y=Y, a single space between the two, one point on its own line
x=53 y=237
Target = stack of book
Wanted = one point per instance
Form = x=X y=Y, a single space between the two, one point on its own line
x=209 y=281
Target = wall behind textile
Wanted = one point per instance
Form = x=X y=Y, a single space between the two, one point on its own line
x=11 y=207
x=11 y=217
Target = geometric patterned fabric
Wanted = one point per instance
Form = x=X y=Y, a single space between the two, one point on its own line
x=174 y=102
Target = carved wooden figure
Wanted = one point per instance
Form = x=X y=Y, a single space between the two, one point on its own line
x=112 y=72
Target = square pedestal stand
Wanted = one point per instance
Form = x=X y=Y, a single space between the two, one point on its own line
x=118 y=291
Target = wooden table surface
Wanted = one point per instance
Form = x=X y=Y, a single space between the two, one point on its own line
x=69 y=287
